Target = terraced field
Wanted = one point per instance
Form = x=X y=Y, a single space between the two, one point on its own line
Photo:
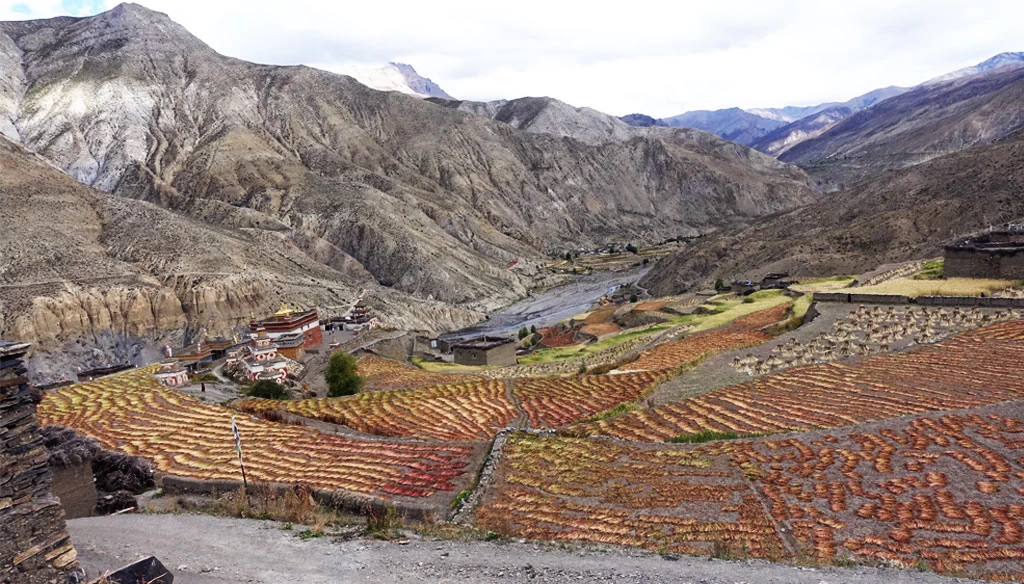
x=742 y=332
x=132 y=413
x=382 y=374
x=660 y=497
x=969 y=370
x=474 y=411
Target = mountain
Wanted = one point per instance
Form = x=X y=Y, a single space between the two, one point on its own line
x=733 y=124
x=375 y=187
x=546 y=115
x=124 y=276
x=816 y=120
x=641 y=121
x=785 y=137
x=903 y=215
x=1000 y=60
x=770 y=130
x=931 y=120
x=395 y=77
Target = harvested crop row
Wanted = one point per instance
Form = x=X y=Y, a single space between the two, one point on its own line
x=742 y=332
x=133 y=413
x=944 y=490
x=661 y=497
x=970 y=370
x=386 y=374
x=474 y=411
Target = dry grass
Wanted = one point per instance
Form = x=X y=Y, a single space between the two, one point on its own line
x=948 y=287
x=823 y=284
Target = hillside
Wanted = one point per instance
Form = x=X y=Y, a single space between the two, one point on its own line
x=929 y=121
x=427 y=199
x=82 y=265
x=902 y=215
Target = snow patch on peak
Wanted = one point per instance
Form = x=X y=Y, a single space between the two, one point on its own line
x=393 y=77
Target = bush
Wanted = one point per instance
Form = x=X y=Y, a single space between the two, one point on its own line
x=633 y=298
x=719 y=284
x=631 y=248
x=119 y=472
x=341 y=375
x=67 y=447
x=522 y=333
x=269 y=390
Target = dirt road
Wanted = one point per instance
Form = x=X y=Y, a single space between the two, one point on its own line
x=214 y=550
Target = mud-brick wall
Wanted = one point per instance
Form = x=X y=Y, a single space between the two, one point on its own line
x=35 y=547
x=971 y=262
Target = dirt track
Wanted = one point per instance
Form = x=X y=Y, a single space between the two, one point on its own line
x=214 y=550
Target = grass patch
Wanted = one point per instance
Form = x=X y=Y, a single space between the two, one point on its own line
x=559 y=353
x=801 y=305
x=931 y=271
x=710 y=436
x=823 y=284
x=443 y=367
x=948 y=287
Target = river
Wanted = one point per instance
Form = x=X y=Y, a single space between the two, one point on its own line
x=550 y=306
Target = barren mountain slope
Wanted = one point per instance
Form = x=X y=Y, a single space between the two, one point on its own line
x=926 y=122
x=79 y=264
x=428 y=199
x=902 y=215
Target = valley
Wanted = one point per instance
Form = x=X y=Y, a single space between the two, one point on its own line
x=497 y=339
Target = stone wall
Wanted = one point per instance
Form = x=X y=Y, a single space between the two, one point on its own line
x=35 y=547
x=978 y=261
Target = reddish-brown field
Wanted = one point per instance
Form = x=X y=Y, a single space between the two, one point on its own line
x=599 y=330
x=944 y=489
x=382 y=374
x=742 y=332
x=657 y=497
x=551 y=402
x=970 y=370
x=474 y=411
x=131 y=412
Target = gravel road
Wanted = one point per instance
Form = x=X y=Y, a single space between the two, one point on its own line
x=214 y=550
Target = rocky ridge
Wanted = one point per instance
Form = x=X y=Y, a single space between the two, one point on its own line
x=232 y=186
x=902 y=215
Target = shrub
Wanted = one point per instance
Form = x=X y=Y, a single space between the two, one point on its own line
x=719 y=284
x=341 y=375
x=522 y=333
x=115 y=471
x=269 y=390
x=631 y=248
x=633 y=298
x=67 y=447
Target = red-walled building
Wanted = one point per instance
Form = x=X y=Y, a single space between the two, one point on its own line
x=287 y=322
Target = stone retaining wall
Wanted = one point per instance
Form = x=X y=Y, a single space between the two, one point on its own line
x=35 y=547
x=979 y=301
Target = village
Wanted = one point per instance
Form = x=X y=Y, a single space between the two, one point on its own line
x=732 y=366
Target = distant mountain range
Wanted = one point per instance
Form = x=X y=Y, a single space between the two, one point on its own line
x=776 y=130
x=395 y=77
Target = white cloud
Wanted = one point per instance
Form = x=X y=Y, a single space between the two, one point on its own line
x=643 y=56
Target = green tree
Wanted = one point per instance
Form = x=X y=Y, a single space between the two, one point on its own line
x=719 y=284
x=267 y=389
x=631 y=248
x=533 y=329
x=341 y=375
x=568 y=256
x=522 y=333
x=633 y=298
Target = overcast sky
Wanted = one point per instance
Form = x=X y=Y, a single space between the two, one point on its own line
x=659 y=58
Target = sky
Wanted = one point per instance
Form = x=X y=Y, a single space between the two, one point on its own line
x=657 y=58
